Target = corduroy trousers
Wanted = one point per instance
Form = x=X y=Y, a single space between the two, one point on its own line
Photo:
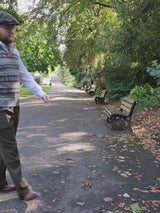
x=9 y=155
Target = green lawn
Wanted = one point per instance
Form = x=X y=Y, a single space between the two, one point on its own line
x=24 y=92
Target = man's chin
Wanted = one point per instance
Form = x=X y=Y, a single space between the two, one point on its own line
x=8 y=41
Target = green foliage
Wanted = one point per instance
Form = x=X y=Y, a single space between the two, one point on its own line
x=119 y=80
x=138 y=36
x=99 y=84
x=145 y=95
x=157 y=92
x=36 y=50
x=154 y=71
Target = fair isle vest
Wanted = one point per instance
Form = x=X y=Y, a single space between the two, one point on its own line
x=9 y=78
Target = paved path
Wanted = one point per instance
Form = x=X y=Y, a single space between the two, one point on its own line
x=76 y=164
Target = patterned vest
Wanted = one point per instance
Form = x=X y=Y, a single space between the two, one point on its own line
x=9 y=78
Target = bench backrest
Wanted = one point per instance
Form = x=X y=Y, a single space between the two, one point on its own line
x=128 y=105
x=103 y=93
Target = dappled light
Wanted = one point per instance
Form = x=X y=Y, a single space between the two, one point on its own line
x=70 y=98
x=73 y=134
x=34 y=207
x=76 y=147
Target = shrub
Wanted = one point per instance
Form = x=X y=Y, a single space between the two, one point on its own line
x=84 y=82
x=119 y=80
x=145 y=95
x=154 y=71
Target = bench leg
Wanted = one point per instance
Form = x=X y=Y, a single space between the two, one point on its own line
x=129 y=125
x=99 y=100
x=120 y=123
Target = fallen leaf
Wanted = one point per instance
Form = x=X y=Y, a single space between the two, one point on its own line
x=157 y=179
x=121 y=157
x=86 y=184
x=56 y=172
x=45 y=190
x=135 y=207
x=154 y=189
x=125 y=174
x=68 y=158
x=136 y=189
x=144 y=191
x=34 y=174
x=126 y=195
x=121 y=205
x=108 y=199
x=72 y=165
x=80 y=203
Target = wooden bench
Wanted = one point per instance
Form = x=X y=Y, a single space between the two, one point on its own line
x=99 y=99
x=121 y=118
x=87 y=87
x=92 y=91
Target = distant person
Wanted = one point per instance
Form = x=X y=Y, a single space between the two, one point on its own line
x=12 y=72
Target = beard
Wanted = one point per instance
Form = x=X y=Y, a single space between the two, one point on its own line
x=7 y=39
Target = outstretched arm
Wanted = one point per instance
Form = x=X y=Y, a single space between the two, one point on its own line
x=28 y=81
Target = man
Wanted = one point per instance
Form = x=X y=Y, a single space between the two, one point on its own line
x=12 y=72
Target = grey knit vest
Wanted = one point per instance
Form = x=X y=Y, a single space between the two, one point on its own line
x=9 y=79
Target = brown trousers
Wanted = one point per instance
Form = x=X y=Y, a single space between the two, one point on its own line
x=9 y=155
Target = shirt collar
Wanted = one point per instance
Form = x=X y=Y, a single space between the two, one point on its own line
x=4 y=46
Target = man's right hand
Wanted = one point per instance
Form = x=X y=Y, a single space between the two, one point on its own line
x=45 y=98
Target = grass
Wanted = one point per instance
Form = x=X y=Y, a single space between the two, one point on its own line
x=24 y=92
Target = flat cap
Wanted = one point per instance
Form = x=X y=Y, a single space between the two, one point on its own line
x=7 y=19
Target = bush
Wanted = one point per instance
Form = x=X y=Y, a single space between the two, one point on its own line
x=145 y=95
x=154 y=71
x=119 y=80
x=157 y=92
x=118 y=87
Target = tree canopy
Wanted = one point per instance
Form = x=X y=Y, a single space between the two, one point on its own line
x=116 y=38
x=100 y=33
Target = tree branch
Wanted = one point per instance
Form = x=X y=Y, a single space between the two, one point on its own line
x=103 y=5
x=67 y=9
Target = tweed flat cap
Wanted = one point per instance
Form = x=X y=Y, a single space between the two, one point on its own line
x=7 y=19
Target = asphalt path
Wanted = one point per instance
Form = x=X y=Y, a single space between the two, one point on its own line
x=78 y=165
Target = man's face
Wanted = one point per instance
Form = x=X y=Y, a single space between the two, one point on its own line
x=6 y=33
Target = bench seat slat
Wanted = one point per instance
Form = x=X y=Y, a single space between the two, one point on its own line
x=126 y=109
x=128 y=105
x=117 y=112
x=129 y=100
